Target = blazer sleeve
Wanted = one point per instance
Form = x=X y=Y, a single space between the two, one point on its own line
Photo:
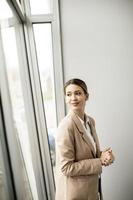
x=66 y=155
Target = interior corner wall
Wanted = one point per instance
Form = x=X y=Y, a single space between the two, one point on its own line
x=97 y=44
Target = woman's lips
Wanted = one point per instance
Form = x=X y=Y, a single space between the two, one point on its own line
x=74 y=104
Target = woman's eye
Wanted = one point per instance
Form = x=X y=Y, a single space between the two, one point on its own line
x=68 y=94
x=78 y=93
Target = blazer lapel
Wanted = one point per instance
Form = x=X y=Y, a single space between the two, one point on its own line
x=82 y=132
x=94 y=134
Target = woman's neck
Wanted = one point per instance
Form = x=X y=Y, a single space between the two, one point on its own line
x=80 y=114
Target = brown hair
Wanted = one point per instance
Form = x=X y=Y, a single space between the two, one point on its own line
x=78 y=82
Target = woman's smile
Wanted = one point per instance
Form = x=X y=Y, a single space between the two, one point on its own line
x=75 y=104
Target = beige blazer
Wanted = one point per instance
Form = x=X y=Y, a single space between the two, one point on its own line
x=77 y=164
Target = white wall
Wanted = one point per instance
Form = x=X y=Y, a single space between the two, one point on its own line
x=97 y=39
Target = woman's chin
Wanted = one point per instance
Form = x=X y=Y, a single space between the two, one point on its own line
x=74 y=108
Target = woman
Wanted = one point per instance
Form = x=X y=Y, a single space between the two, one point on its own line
x=79 y=159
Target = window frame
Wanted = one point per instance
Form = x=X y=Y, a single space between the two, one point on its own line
x=36 y=85
x=18 y=8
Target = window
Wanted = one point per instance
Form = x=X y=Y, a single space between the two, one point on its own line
x=32 y=76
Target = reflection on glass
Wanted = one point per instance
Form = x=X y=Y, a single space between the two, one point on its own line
x=41 y=7
x=43 y=41
x=13 y=74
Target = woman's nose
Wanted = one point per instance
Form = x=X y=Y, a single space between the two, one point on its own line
x=73 y=97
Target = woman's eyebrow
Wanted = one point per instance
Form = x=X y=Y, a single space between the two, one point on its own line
x=77 y=91
x=73 y=91
x=68 y=92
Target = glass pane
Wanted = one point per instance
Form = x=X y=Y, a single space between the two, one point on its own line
x=12 y=60
x=5 y=11
x=43 y=39
x=41 y=7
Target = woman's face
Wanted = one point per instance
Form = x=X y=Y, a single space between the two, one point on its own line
x=75 y=98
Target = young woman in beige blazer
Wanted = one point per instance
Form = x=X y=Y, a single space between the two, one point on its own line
x=79 y=158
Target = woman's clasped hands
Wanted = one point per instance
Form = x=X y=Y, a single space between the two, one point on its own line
x=107 y=157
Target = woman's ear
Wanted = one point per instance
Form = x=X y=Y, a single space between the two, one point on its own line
x=87 y=96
